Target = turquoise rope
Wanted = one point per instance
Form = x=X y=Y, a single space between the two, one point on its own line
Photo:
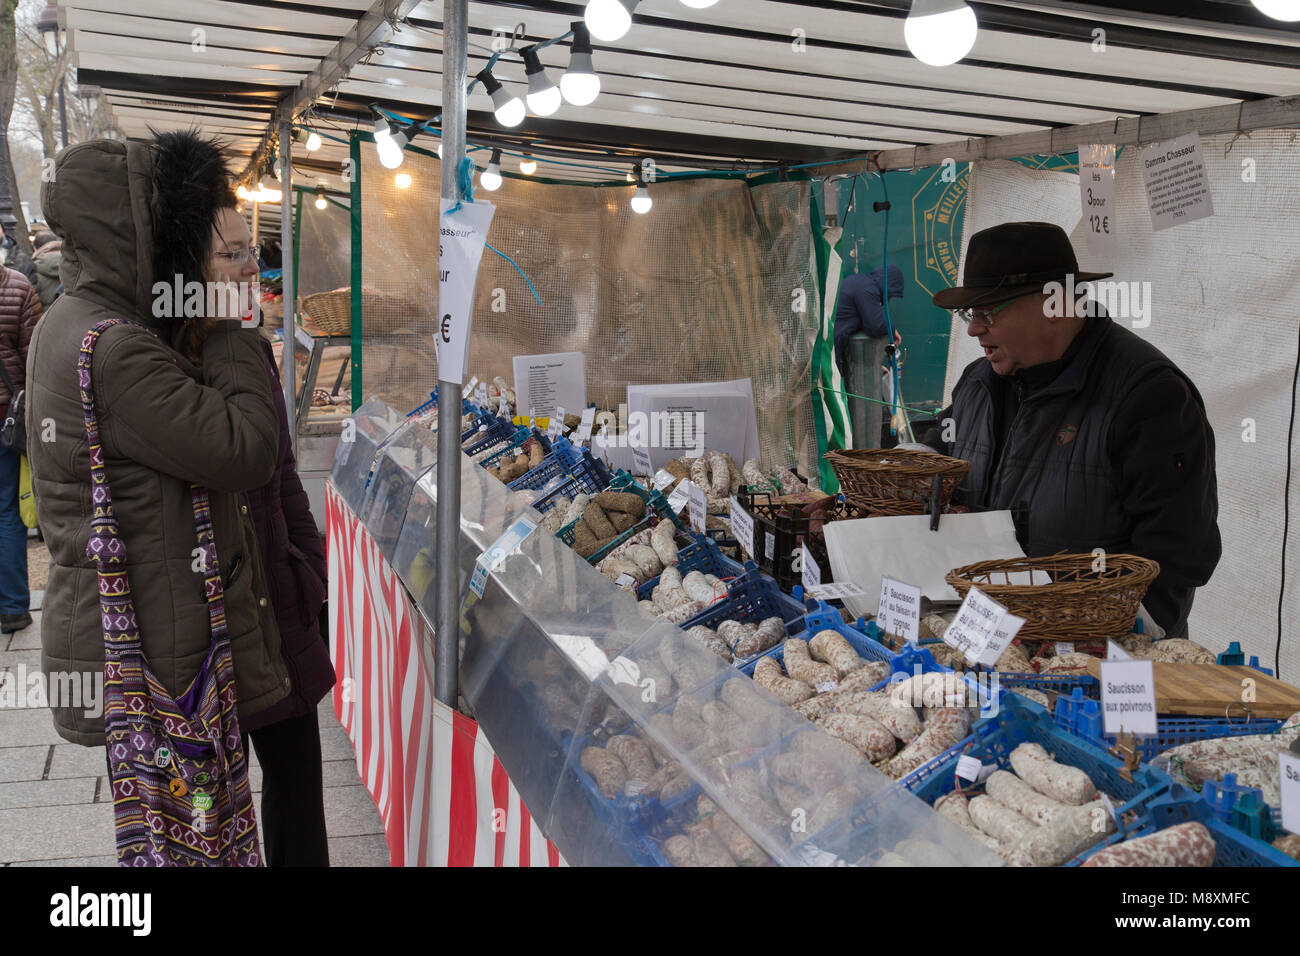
x=520 y=271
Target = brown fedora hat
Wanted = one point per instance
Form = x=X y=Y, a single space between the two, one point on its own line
x=1014 y=259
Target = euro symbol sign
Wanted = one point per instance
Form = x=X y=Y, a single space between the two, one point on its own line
x=446 y=328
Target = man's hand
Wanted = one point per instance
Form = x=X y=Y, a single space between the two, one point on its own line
x=898 y=337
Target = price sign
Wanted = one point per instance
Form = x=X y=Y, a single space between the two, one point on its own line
x=554 y=429
x=681 y=496
x=1289 y=767
x=559 y=416
x=584 y=427
x=969 y=768
x=1116 y=653
x=500 y=549
x=982 y=628
x=469 y=389
x=899 y=611
x=836 y=591
x=742 y=526
x=769 y=545
x=1097 y=196
x=1064 y=647
x=481 y=395
x=662 y=480
x=699 y=507
x=641 y=460
x=503 y=409
x=625 y=581
x=812 y=574
x=1128 y=697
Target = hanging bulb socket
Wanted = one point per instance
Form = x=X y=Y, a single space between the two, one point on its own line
x=509 y=109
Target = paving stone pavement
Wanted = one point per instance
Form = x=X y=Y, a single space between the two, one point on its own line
x=53 y=806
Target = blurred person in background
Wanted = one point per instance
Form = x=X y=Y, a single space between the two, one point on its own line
x=20 y=310
x=48 y=256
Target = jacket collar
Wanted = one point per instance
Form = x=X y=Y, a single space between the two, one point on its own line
x=1075 y=373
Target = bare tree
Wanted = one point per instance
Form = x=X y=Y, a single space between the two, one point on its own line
x=8 y=88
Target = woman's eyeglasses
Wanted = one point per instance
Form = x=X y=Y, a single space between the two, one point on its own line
x=240 y=256
x=985 y=316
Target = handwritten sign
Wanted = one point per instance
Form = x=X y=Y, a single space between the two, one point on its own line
x=742 y=526
x=1128 y=697
x=900 y=609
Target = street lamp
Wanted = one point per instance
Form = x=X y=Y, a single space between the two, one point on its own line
x=48 y=25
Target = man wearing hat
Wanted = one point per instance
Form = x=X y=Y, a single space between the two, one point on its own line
x=1088 y=434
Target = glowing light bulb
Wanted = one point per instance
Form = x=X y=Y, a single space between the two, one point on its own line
x=543 y=94
x=1286 y=10
x=580 y=84
x=403 y=180
x=313 y=141
x=528 y=165
x=609 y=20
x=641 y=201
x=940 y=32
x=491 y=177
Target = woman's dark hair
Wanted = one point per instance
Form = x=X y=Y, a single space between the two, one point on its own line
x=191 y=185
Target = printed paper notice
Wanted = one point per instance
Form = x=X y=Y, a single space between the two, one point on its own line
x=742 y=526
x=1097 y=196
x=1128 y=697
x=1178 y=187
x=548 y=382
x=460 y=247
x=899 y=611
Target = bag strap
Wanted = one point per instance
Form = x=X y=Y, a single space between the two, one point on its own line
x=106 y=549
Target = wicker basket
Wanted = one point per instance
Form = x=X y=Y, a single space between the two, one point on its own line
x=331 y=312
x=895 y=481
x=382 y=312
x=1078 y=605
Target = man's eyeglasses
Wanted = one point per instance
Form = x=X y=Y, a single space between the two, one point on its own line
x=985 y=316
x=240 y=256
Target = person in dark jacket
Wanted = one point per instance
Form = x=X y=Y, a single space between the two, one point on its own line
x=286 y=736
x=48 y=257
x=20 y=310
x=860 y=308
x=132 y=215
x=1087 y=433
x=16 y=259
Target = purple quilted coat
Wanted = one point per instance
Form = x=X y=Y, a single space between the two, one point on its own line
x=293 y=559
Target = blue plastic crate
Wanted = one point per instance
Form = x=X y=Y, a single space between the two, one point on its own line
x=517 y=441
x=753 y=596
x=1081 y=716
x=1021 y=721
x=495 y=431
x=561 y=457
x=588 y=477
x=1232 y=847
x=702 y=555
x=824 y=618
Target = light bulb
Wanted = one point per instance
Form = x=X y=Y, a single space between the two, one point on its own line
x=580 y=84
x=1287 y=10
x=391 y=149
x=269 y=190
x=313 y=141
x=699 y=4
x=528 y=165
x=543 y=94
x=321 y=202
x=641 y=201
x=403 y=180
x=609 y=20
x=440 y=149
x=242 y=192
x=940 y=32
x=491 y=177
x=509 y=109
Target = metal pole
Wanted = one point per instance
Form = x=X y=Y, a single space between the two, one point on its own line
x=63 y=106
x=865 y=356
x=446 y=677
x=289 y=327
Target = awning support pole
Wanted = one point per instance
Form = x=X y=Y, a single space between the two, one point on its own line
x=446 y=677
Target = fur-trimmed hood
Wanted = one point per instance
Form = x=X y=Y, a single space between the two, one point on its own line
x=135 y=213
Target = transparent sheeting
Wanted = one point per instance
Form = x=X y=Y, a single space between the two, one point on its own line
x=715 y=283
x=557 y=662
x=359 y=447
x=324 y=254
x=408 y=455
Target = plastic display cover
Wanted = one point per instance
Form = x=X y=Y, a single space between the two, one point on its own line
x=561 y=668
x=358 y=449
x=410 y=452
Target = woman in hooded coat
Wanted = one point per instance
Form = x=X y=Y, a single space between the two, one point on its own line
x=132 y=215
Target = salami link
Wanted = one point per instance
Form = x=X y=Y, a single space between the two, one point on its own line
x=1188 y=844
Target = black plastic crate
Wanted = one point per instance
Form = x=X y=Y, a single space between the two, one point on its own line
x=780 y=528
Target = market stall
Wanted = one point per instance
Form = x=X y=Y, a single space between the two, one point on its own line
x=751 y=645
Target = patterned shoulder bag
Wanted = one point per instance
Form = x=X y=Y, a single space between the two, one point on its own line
x=177 y=765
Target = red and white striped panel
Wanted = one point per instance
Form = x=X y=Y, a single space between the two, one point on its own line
x=443 y=796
